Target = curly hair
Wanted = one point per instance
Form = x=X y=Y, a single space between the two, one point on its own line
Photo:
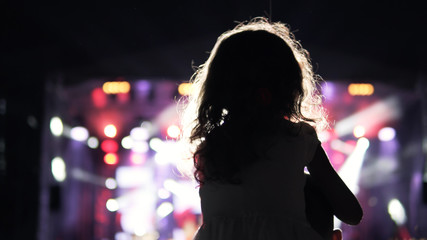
x=256 y=77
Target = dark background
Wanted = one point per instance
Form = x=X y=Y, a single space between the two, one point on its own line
x=370 y=41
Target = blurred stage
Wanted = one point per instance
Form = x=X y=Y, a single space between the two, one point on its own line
x=109 y=158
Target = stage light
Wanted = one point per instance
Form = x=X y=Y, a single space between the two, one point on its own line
x=127 y=142
x=92 y=142
x=111 y=158
x=116 y=87
x=397 y=212
x=328 y=90
x=166 y=157
x=58 y=168
x=361 y=89
x=140 y=146
x=109 y=146
x=156 y=144
x=137 y=158
x=350 y=170
x=164 y=209
x=163 y=193
x=173 y=131
x=359 y=131
x=112 y=205
x=56 y=126
x=134 y=177
x=386 y=134
x=376 y=114
x=99 y=98
x=139 y=133
x=324 y=136
x=185 y=89
x=110 y=131
x=111 y=183
x=79 y=133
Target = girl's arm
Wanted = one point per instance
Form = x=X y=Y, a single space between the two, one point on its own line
x=344 y=204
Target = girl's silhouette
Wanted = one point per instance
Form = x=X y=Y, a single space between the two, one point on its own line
x=251 y=124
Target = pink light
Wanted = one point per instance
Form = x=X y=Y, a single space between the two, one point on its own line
x=137 y=159
x=99 y=98
x=109 y=146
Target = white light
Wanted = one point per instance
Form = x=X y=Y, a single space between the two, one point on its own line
x=378 y=113
x=139 y=133
x=59 y=171
x=397 y=211
x=56 y=126
x=139 y=231
x=110 y=131
x=92 y=142
x=79 y=133
x=128 y=177
x=156 y=144
x=350 y=170
x=163 y=193
x=112 y=205
x=359 y=131
x=386 y=134
x=173 y=131
x=324 y=136
x=111 y=183
x=127 y=142
x=140 y=146
x=164 y=209
x=363 y=143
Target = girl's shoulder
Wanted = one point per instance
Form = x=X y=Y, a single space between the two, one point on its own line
x=297 y=129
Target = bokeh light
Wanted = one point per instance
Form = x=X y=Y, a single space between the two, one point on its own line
x=127 y=142
x=56 y=126
x=92 y=142
x=99 y=98
x=359 y=131
x=139 y=133
x=110 y=183
x=112 y=205
x=156 y=144
x=116 y=87
x=164 y=209
x=109 y=145
x=386 y=134
x=173 y=131
x=110 y=131
x=58 y=168
x=185 y=88
x=397 y=212
x=137 y=158
x=140 y=146
x=79 y=133
x=111 y=158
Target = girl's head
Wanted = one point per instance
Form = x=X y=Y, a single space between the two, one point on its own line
x=248 y=71
x=256 y=73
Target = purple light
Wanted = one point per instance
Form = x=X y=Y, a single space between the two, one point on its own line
x=328 y=90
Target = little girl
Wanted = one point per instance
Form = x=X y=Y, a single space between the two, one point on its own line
x=251 y=123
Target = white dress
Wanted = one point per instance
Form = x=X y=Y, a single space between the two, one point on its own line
x=269 y=203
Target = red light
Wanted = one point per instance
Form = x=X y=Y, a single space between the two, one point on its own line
x=109 y=146
x=123 y=97
x=99 y=98
x=111 y=158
